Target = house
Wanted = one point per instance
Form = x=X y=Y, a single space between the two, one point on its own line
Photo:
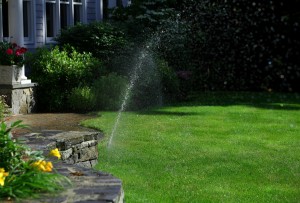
x=35 y=23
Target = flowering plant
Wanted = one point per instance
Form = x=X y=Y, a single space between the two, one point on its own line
x=25 y=173
x=11 y=54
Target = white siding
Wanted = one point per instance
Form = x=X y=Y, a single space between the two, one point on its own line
x=91 y=10
x=40 y=28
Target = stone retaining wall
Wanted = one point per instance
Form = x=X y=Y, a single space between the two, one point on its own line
x=80 y=149
x=19 y=97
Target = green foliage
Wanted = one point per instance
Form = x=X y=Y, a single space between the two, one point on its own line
x=156 y=84
x=20 y=178
x=109 y=91
x=169 y=81
x=143 y=18
x=238 y=45
x=10 y=152
x=103 y=40
x=57 y=72
x=82 y=99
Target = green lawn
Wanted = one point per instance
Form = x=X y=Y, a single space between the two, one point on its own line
x=218 y=147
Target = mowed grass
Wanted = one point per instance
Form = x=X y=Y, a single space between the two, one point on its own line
x=218 y=147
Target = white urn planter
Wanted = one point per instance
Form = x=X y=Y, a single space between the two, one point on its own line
x=10 y=75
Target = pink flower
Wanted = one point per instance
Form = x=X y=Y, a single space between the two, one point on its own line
x=9 y=51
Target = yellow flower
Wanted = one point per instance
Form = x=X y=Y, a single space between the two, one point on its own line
x=55 y=153
x=43 y=165
x=3 y=174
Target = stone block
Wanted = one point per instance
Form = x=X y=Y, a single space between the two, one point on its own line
x=66 y=154
x=77 y=147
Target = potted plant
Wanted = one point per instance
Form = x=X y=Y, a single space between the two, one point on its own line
x=11 y=62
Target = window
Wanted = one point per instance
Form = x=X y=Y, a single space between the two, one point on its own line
x=77 y=11
x=28 y=20
x=5 y=18
x=62 y=13
x=50 y=18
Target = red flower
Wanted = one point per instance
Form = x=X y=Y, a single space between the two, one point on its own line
x=9 y=51
x=23 y=50
x=19 y=52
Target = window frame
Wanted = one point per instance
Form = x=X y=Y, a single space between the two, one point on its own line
x=57 y=16
x=31 y=22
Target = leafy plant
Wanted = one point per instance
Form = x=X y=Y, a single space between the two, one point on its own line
x=24 y=173
x=103 y=40
x=59 y=71
x=109 y=91
x=82 y=99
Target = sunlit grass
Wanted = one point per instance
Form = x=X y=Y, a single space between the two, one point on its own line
x=212 y=149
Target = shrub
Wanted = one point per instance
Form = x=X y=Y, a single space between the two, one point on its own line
x=109 y=91
x=57 y=72
x=103 y=40
x=82 y=99
x=156 y=84
x=169 y=81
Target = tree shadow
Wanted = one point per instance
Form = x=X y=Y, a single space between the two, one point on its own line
x=264 y=100
x=169 y=113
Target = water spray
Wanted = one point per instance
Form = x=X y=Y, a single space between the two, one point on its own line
x=133 y=79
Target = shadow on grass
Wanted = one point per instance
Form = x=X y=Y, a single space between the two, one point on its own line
x=169 y=113
x=265 y=100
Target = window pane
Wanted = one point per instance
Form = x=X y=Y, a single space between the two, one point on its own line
x=77 y=14
x=50 y=16
x=5 y=18
x=64 y=14
x=79 y=1
x=26 y=18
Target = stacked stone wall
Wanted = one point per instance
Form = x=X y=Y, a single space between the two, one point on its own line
x=20 y=98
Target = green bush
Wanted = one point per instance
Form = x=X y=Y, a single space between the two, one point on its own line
x=57 y=72
x=82 y=99
x=156 y=84
x=169 y=81
x=109 y=91
x=103 y=40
